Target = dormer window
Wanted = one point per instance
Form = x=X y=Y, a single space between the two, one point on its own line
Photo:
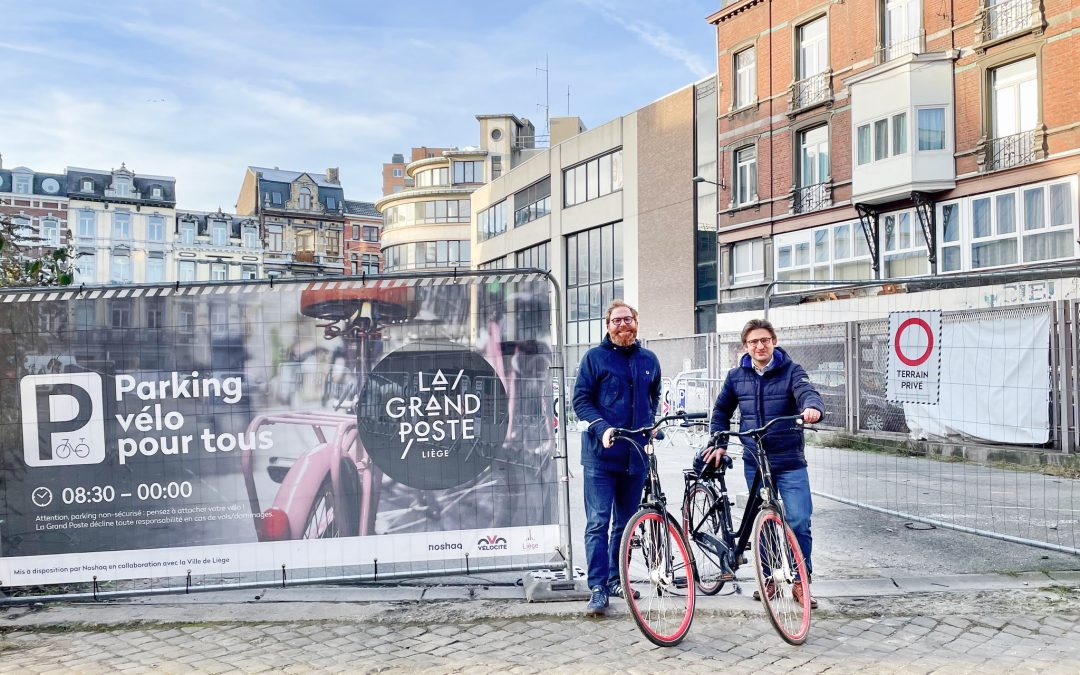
x=155 y=192
x=251 y=237
x=122 y=187
x=219 y=233
x=304 y=200
x=187 y=232
x=87 y=185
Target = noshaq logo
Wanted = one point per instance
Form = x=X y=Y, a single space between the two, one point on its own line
x=62 y=419
x=492 y=542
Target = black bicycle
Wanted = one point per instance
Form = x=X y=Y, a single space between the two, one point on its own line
x=718 y=549
x=655 y=565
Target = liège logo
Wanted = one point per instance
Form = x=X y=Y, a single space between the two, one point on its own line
x=60 y=427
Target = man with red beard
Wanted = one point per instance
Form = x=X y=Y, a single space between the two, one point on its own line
x=769 y=384
x=618 y=385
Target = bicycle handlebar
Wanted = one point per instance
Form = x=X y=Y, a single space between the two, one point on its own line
x=618 y=432
x=763 y=430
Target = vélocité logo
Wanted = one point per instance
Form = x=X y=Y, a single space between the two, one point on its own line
x=63 y=419
x=491 y=542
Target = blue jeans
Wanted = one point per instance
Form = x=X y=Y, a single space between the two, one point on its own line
x=611 y=497
x=794 y=488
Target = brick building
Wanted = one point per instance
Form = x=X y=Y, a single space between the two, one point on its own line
x=393 y=173
x=893 y=138
x=363 y=227
x=37 y=203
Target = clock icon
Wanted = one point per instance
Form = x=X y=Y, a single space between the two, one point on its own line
x=41 y=496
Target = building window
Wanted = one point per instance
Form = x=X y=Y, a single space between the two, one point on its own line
x=121 y=230
x=22 y=185
x=86 y=268
x=50 y=231
x=592 y=179
x=745 y=188
x=355 y=233
x=419 y=213
x=121 y=269
x=747 y=262
x=813 y=170
x=249 y=272
x=397 y=173
x=305 y=241
x=304 y=199
x=219 y=233
x=1015 y=114
x=155 y=229
x=154 y=318
x=87 y=185
x=371 y=233
x=156 y=192
x=120 y=314
x=331 y=204
x=745 y=78
x=904 y=249
x=594 y=276
x=491 y=222
x=433 y=177
x=155 y=270
x=883 y=138
x=87 y=225
x=219 y=272
x=333 y=242
x=812 y=82
x=469 y=172
x=1029 y=224
x=534 y=256
x=251 y=236
x=275 y=198
x=186 y=271
x=187 y=232
x=903 y=27
x=121 y=187
x=273 y=238
x=831 y=252
x=931 y=128
x=533 y=202
x=426 y=254
x=371 y=262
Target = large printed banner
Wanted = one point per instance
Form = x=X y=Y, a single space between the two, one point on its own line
x=228 y=429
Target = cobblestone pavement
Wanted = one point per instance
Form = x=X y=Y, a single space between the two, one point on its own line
x=1040 y=642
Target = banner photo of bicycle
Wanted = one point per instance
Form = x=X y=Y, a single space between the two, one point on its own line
x=359 y=425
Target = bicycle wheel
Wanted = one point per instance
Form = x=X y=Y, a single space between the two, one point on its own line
x=698 y=518
x=655 y=563
x=779 y=566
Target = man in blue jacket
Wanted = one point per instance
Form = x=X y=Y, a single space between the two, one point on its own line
x=768 y=384
x=618 y=385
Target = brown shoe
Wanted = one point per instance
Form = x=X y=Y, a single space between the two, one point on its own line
x=796 y=592
x=770 y=588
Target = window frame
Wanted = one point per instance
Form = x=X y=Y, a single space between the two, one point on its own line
x=944 y=127
x=744 y=184
x=756 y=248
x=744 y=78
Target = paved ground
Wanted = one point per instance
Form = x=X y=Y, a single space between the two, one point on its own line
x=894 y=599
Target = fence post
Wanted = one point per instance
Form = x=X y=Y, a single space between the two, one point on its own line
x=1064 y=382
x=851 y=353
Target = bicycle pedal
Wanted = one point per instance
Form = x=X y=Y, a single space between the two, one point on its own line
x=725 y=577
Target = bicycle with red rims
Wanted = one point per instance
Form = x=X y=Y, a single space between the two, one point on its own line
x=718 y=549
x=656 y=567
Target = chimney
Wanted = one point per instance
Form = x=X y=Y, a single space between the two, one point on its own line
x=332 y=175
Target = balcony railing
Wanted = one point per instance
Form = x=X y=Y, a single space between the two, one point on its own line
x=1006 y=18
x=811 y=198
x=1009 y=151
x=901 y=47
x=811 y=91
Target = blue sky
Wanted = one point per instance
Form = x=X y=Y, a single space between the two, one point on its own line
x=200 y=90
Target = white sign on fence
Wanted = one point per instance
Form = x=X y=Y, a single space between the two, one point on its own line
x=914 y=374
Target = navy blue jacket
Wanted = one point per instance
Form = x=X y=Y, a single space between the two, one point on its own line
x=784 y=389
x=615 y=387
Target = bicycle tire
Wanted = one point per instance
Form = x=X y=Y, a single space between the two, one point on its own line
x=665 y=609
x=779 y=566
x=707 y=572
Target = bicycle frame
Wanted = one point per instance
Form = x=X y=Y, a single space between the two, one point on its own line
x=763 y=494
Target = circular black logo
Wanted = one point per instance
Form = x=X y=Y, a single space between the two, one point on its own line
x=432 y=415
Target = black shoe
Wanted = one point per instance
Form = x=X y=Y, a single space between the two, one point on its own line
x=616 y=590
x=598 y=603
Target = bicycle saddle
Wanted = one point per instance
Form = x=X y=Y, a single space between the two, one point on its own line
x=704 y=470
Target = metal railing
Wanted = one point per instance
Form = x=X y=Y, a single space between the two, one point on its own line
x=811 y=90
x=811 y=198
x=901 y=47
x=1005 y=18
x=1009 y=151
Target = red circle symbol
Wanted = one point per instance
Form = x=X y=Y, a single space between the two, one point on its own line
x=919 y=360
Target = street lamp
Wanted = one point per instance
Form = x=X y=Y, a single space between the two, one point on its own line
x=702 y=179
